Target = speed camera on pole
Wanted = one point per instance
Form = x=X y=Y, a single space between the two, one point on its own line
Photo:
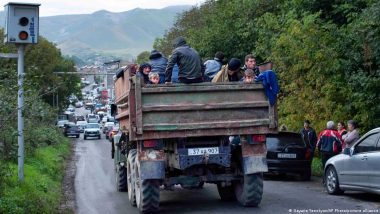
x=21 y=28
x=21 y=23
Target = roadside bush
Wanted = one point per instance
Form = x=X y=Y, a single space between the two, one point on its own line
x=41 y=190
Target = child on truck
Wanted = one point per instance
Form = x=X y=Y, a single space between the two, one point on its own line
x=154 y=78
x=249 y=76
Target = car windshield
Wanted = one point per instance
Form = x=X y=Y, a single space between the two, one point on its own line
x=73 y=127
x=62 y=122
x=92 y=126
x=81 y=123
x=284 y=139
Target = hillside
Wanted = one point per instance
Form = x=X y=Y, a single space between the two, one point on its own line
x=105 y=33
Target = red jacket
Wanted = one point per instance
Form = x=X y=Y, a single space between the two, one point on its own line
x=330 y=141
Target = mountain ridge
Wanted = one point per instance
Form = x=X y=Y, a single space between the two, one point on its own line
x=112 y=34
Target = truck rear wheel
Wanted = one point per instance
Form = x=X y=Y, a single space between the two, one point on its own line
x=226 y=193
x=249 y=192
x=147 y=193
x=121 y=179
x=131 y=177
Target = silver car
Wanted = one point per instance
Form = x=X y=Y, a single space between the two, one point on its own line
x=357 y=168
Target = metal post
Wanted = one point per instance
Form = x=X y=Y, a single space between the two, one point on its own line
x=20 y=108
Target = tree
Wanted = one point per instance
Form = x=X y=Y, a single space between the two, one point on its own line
x=143 y=57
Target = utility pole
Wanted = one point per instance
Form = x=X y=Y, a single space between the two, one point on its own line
x=20 y=108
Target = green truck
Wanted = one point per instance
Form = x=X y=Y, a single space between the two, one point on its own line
x=189 y=135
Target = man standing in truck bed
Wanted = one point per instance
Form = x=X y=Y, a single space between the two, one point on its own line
x=188 y=60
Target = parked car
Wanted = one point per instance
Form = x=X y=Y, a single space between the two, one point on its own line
x=92 y=130
x=107 y=126
x=62 y=123
x=71 y=129
x=357 y=168
x=81 y=125
x=112 y=132
x=287 y=153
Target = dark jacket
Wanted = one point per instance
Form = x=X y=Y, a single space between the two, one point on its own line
x=146 y=77
x=330 y=142
x=269 y=80
x=187 y=59
x=311 y=136
x=158 y=63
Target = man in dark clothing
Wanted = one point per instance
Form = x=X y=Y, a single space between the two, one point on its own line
x=158 y=63
x=188 y=61
x=230 y=72
x=329 y=142
x=309 y=136
x=250 y=63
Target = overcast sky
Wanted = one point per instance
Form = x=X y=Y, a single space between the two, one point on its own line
x=60 y=7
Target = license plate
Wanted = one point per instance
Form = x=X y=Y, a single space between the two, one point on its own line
x=201 y=151
x=286 y=155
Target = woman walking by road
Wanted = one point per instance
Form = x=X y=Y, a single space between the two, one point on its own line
x=352 y=135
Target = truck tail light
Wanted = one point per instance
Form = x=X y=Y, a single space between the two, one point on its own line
x=259 y=138
x=150 y=143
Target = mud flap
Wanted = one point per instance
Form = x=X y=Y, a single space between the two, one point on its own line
x=254 y=158
x=152 y=164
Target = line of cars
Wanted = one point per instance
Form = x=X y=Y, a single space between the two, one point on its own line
x=355 y=169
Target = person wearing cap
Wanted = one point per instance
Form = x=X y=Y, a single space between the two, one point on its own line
x=250 y=63
x=230 y=72
x=309 y=136
x=212 y=66
x=188 y=61
x=158 y=63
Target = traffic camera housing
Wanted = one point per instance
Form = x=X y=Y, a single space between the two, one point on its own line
x=21 y=23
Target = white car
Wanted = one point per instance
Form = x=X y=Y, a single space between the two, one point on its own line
x=357 y=168
x=62 y=123
x=92 y=130
x=107 y=126
x=81 y=125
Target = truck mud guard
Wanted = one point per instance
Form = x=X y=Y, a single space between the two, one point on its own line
x=152 y=164
x=254 y=158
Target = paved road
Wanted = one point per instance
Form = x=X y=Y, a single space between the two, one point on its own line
x=95 y=191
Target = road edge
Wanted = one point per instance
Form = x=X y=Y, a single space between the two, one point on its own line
x=68 y=202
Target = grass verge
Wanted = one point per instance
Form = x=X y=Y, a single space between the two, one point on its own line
x=41 y=191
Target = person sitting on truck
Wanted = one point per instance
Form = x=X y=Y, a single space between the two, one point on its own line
x=213 y=66
x=249 y=76
x=188 y=60
x=230 y=72
x=158 y=63
x=144 y=71
x=250 y=63
x=154 y=78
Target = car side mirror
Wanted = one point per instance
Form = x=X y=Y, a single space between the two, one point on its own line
x=347 y=151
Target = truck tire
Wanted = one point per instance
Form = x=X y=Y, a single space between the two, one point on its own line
x=226 y=193
x=131 y=176
x=250 y=192
x=147 y=193
x=121 y=179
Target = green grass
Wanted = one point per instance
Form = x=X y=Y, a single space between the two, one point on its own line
x=41 y=190
x=316 y=167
